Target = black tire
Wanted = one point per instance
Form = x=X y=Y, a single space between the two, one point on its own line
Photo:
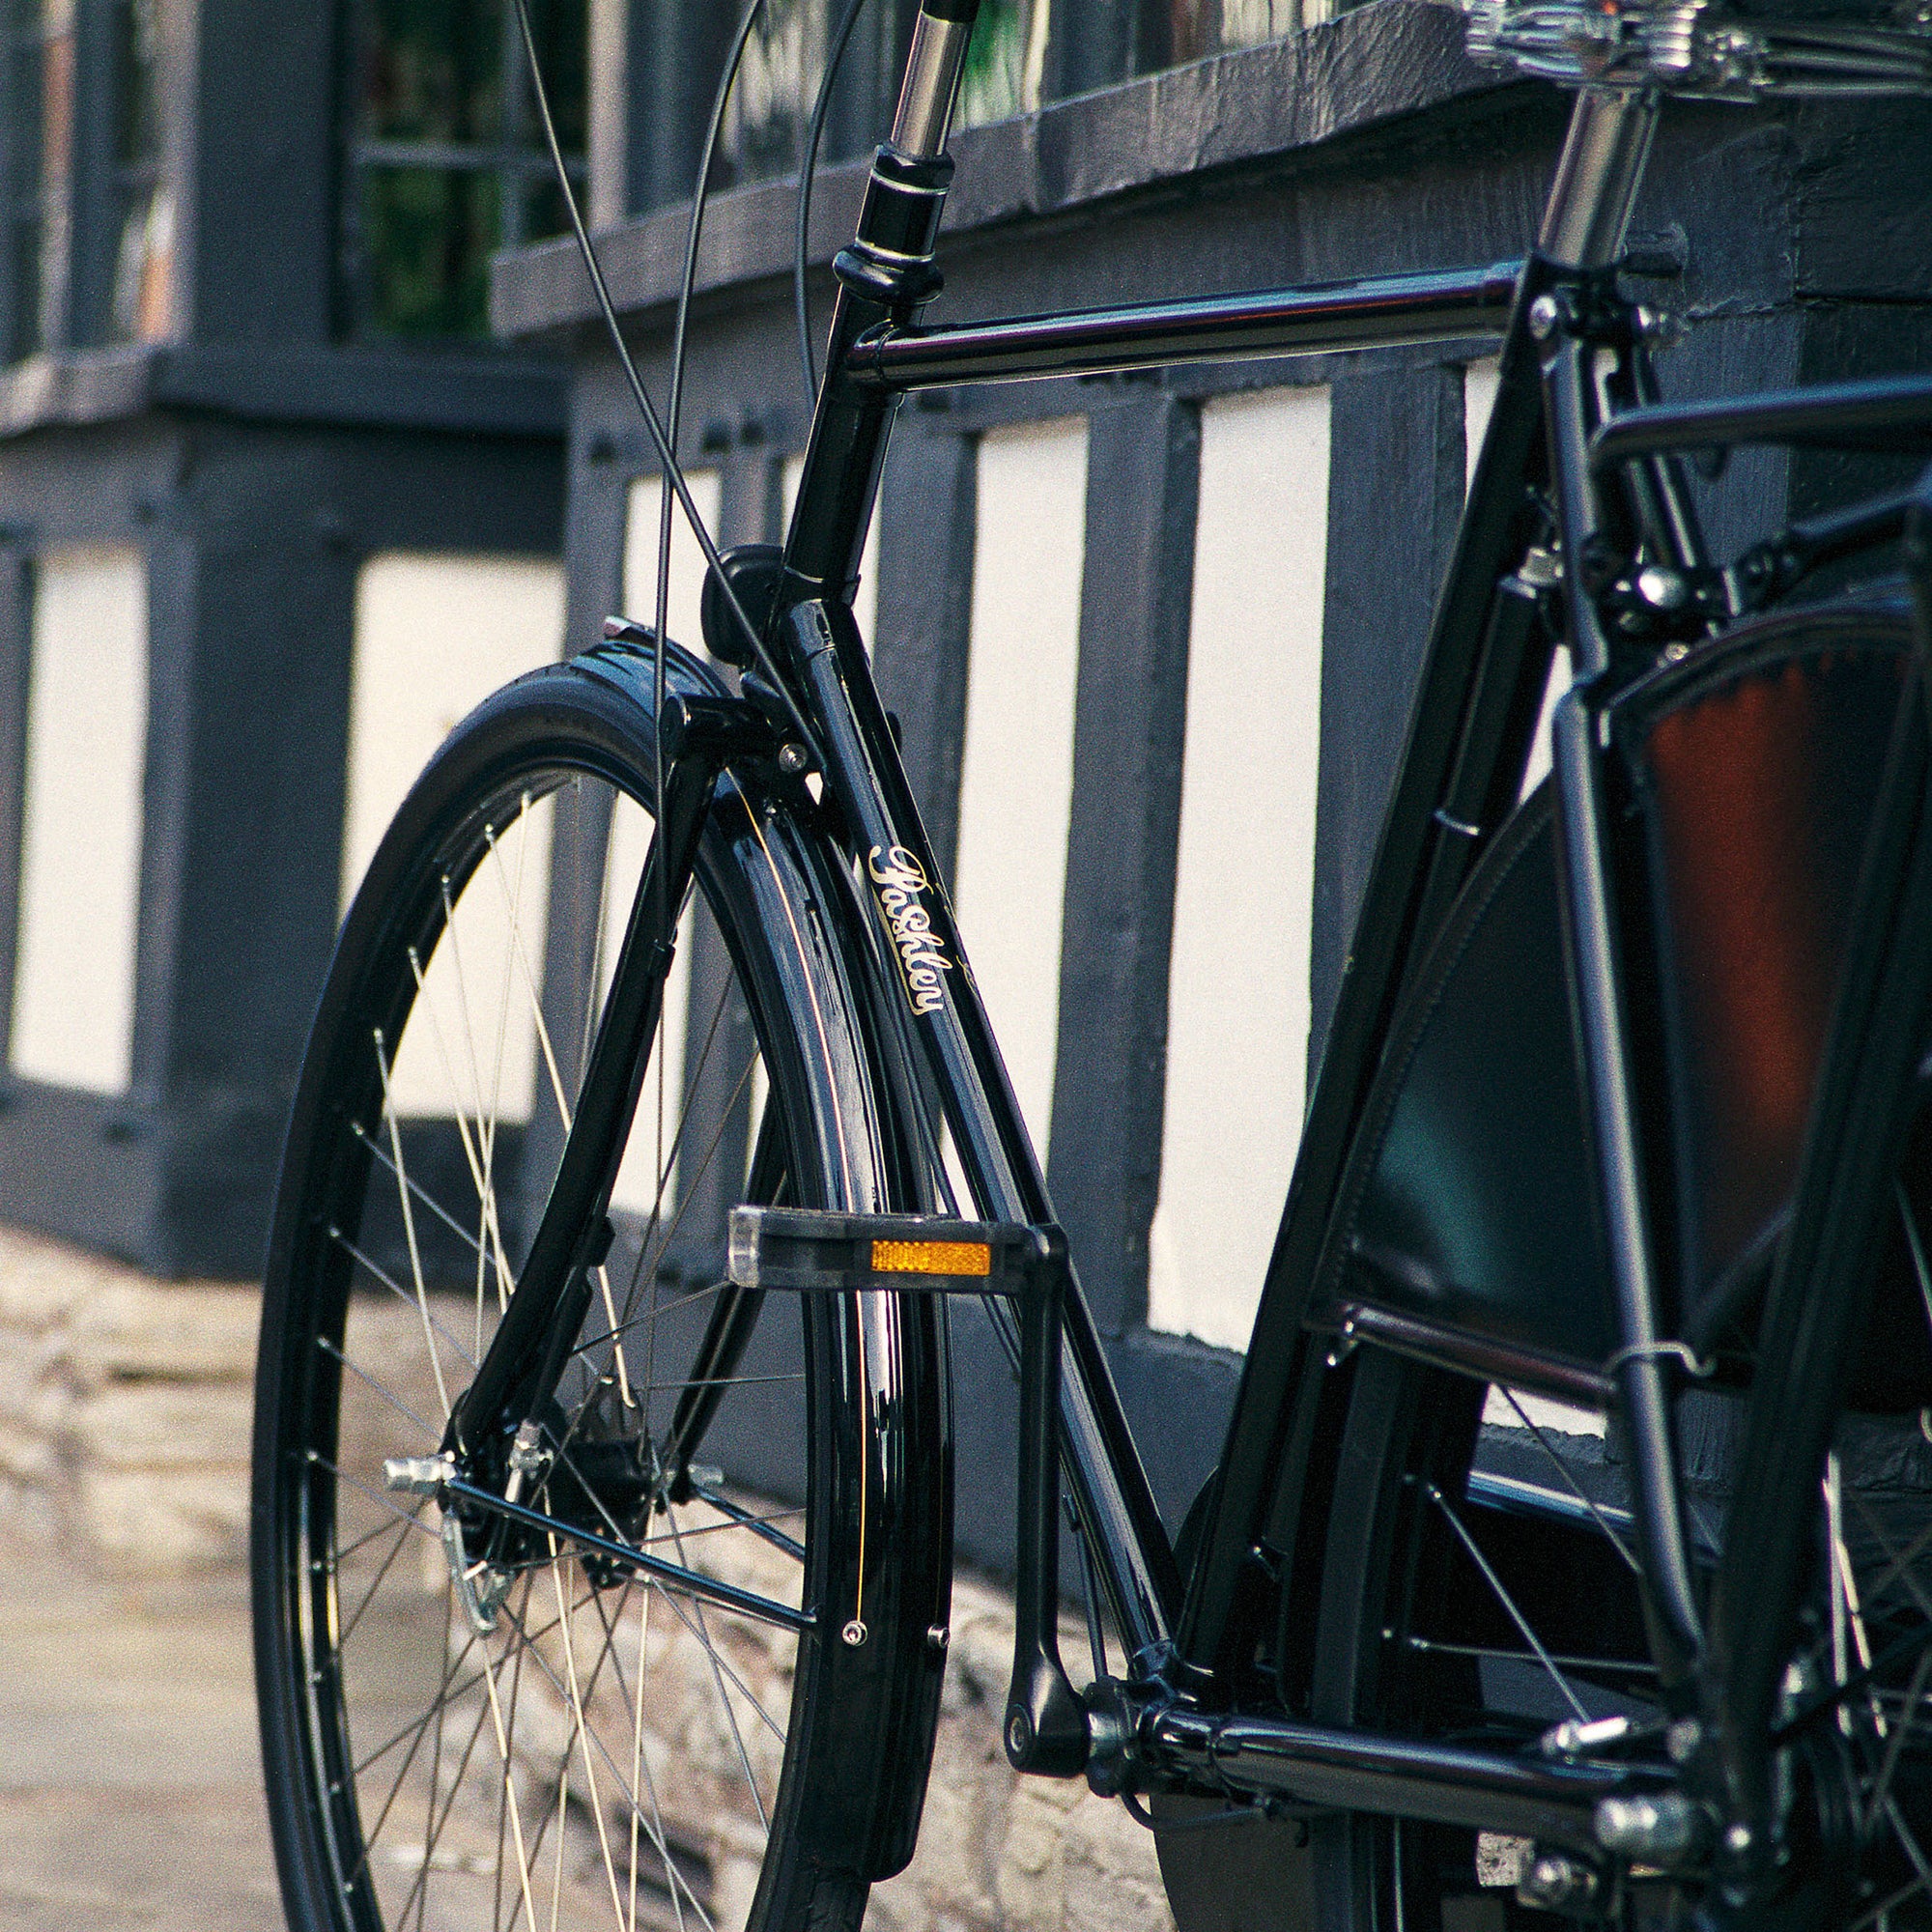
x=612 y=1750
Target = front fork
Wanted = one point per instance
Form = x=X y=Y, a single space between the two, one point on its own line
x=498 y=1418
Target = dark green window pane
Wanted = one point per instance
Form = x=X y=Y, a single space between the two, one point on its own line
x=137 y=114
x=427 y=236
x=561 y=31
x=1000 y=80
x=544 y=212
x=432 y=71
x=446 y=155
x=25 y=330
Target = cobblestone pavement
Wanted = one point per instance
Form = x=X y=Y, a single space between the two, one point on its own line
x=130 y=1791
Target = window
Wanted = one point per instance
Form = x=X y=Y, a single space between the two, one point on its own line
x=143 y=208
x=1025 y=52
x=89 y=217
x=770 y=110
x=1006 y=62
x=20 y=182
x=1208 y=26
x=446 y=157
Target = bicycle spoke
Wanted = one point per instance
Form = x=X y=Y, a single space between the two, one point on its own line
x=719 y=1671
x=410 y=1225
x=369 y=1382
x=419 y=1891
x=430 y=1831
x=420 y=1193
x=1509 y=1604
x=472 y=1153
x=1570 y=1482
x=1894 y=1744
x=760 y=1525
x=629 y=1796
x=1432 y=1646
x=400 y=1531
x=396 y=1288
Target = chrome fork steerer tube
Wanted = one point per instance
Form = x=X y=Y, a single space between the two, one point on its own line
x=933 y=65
x=1597 y=178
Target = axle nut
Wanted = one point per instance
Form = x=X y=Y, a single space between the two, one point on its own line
x=1666 y=1829
x=1553 y=1883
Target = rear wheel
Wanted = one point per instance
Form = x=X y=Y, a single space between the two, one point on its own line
x=1480 y=1587
x=473 y=1722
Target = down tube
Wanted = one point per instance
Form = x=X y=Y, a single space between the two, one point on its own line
x=1110 y=1486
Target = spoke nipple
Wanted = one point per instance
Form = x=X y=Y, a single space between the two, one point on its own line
x=854 y=1633
x=937 y=1636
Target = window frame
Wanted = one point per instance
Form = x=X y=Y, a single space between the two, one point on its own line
x=77 y=201
x=516 y=160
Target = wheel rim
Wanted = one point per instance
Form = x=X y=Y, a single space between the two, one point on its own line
x=612 y=1753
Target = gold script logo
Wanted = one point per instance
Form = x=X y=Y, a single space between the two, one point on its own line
x=900 y=880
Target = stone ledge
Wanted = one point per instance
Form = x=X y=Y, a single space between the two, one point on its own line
x=123 y=1408
x=483 y=391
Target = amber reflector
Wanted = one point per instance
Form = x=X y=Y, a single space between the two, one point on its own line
x=932 y=1258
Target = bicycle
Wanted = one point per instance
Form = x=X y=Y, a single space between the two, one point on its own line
x=553 y=1223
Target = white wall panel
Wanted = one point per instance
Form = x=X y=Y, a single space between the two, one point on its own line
x=434 y=635
x=80 y=858
x=1016 y=774
x=641 y=516
x=1238 y=1003
x=1479 y=400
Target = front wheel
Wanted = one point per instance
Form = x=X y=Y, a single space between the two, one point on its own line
x=471 y=1721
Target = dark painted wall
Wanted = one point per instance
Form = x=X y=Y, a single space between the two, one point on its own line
x=254 y=535
x=256 y=463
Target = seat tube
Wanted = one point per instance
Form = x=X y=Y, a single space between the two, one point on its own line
x=887 y=274
x=1584 y=226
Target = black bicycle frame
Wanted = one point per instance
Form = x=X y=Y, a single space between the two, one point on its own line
x=1557 y=313
x=877 y=351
